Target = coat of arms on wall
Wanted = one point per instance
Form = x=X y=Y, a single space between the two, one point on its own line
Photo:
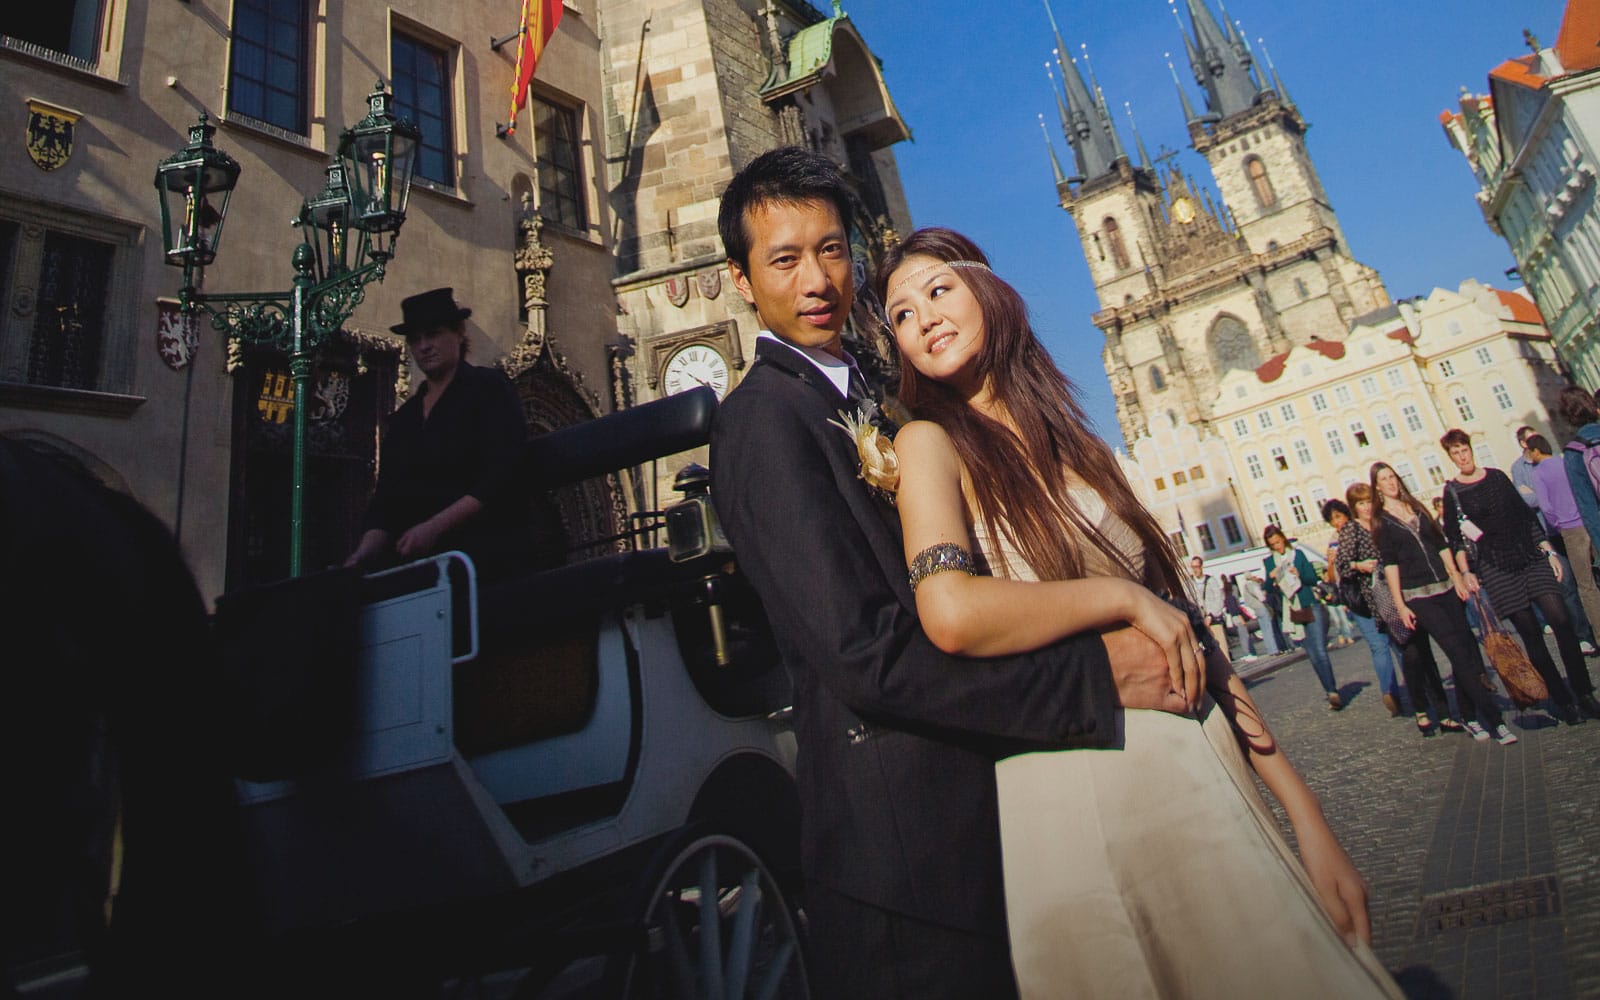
x=677 y=291
x=50 y=131
x=177 y=335
x=710 y=283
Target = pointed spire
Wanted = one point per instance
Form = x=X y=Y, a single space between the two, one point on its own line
x=1055 y=164
x=1188 y=46
x=1223 y=66
x=1144 y=157
x=1066 y=121
x=1087 y=124
x=1277 y=84
x=1103 y=111
x=1188 y=110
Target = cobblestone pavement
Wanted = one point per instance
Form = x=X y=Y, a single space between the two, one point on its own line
x=1482 y=861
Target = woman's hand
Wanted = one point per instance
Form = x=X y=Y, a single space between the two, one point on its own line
x=1466 y=585
x=1168 y=628
x=1555 y=564
x=1365 y=566
x=1408 y=618
x=1339 y=886
x=420 y=539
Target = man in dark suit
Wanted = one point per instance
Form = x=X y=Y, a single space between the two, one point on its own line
x=897 y=740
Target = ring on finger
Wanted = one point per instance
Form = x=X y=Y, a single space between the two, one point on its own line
x=1199 y=649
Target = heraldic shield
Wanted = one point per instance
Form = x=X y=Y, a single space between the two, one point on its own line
x=50 y=134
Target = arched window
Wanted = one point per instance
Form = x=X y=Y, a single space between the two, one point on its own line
x=1259 y=182
x=1158 y=382
x=1231 y=345
x=1119 y=252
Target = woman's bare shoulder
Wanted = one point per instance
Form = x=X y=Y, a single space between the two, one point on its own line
x=924 y=440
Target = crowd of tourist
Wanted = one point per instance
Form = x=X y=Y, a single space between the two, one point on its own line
x=1519 y=544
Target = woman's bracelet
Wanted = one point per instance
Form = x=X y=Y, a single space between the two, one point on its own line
x=940 y=558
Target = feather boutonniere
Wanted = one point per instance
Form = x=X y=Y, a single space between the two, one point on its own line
x=880 y=467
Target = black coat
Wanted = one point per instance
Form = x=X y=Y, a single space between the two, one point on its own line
x=897 y=740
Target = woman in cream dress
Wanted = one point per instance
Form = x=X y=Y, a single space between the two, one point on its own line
x=1151 y=868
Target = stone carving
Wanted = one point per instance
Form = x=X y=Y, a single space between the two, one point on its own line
x=533 y=261
x=677 y=290
x=709 y=283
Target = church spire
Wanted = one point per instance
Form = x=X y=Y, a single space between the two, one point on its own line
x=1138 y=141
x=1087 y=125
x=1277 y=84
x=1221 y=64
x=1102 y=110
x=1055 y=164
x=1188 y=109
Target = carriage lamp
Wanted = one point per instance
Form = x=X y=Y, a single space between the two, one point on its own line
x=364 y=199
x=195 y=184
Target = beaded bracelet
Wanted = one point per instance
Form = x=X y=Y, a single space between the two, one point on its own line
x=938 y=559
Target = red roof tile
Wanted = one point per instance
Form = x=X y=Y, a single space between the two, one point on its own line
x=1578 y=43
x=1333 y=350
x=1272 y=370
x=1402 y=334
x=1520 y=72
x=1522 y=310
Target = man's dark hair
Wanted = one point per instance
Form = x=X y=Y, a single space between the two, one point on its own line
x=786 y=174
x=1538 y=443
x=1333 y=507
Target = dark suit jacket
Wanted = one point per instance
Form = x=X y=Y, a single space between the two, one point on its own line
x=897 y=740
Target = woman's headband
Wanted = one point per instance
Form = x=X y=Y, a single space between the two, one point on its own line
x=928 y=267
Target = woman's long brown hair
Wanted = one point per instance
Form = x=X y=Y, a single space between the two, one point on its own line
x=1024 y=498
x=1405 y=497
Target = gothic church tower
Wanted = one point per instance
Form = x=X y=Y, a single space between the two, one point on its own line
x=1190 y=290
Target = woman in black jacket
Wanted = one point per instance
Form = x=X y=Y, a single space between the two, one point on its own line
x=1516 y=567
x=1428 y=593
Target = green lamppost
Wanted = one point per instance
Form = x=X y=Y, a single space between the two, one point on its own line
x=364 y=198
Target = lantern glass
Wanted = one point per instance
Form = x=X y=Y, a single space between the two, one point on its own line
x=195 y=185
x=379 y=154
x=325 y=223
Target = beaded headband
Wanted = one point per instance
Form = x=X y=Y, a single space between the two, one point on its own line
x=928 y=267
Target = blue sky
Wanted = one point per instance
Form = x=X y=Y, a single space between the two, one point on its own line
x=1370 y=76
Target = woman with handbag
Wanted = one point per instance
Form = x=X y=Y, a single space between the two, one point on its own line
x=1290 y=579
x=1428 y=594
x=1501 y=547
x=1356 y=556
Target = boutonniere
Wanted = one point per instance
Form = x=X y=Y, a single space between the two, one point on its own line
x=880 y=466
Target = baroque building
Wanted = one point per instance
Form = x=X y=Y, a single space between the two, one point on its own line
x=1530 y=142
x=1191 y=289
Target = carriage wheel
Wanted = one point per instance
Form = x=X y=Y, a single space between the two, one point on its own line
x=715 y=925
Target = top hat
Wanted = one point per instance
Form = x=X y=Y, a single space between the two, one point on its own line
x=428 y=310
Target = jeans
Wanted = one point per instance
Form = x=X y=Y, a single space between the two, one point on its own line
x=1582 y=575
x=1386 y=656
x=1315 y=644
x=1241 y=631
x=1339 y=623
x=1264 y=623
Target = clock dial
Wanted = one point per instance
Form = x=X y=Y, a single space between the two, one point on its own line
x=695 y=365
x=1183 y=211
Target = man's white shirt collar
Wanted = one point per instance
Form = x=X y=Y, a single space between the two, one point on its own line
x=837 y=371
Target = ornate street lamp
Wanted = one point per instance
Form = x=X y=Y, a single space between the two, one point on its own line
x=365 y=196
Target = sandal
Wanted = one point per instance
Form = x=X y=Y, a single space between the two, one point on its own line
x=1451 y=726
x=1426 y=728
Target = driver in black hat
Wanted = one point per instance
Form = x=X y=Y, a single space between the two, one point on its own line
x=447 y=479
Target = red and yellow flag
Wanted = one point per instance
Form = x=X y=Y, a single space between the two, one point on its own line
x=539 y=19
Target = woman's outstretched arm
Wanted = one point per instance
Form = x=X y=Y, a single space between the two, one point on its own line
x=989 y=616
x=1339 y=885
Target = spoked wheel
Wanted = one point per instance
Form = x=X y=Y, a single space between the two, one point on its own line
x=715 y=925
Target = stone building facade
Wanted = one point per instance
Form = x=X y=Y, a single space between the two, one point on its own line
x=1531 y=145
x=202 y=439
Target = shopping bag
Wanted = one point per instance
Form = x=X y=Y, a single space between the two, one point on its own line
x=1522 y=682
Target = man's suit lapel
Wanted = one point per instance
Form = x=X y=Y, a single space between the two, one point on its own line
x=795 y=364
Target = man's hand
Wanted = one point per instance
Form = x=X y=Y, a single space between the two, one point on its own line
x=419 y=540
x=1139 y=670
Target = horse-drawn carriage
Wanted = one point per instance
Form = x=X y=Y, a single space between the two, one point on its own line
x=572 y=783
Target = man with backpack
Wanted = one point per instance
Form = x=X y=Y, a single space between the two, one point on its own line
x=1581 y=460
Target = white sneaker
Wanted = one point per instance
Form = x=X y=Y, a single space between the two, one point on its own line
x=1505 y=736
x=1478 y=732
x=1587 y=647
x=1548 y=630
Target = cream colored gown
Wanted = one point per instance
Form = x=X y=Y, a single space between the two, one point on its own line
x=1153 y=868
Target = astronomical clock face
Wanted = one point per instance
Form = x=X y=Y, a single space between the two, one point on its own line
x=1183 y=211
x=695 y=365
